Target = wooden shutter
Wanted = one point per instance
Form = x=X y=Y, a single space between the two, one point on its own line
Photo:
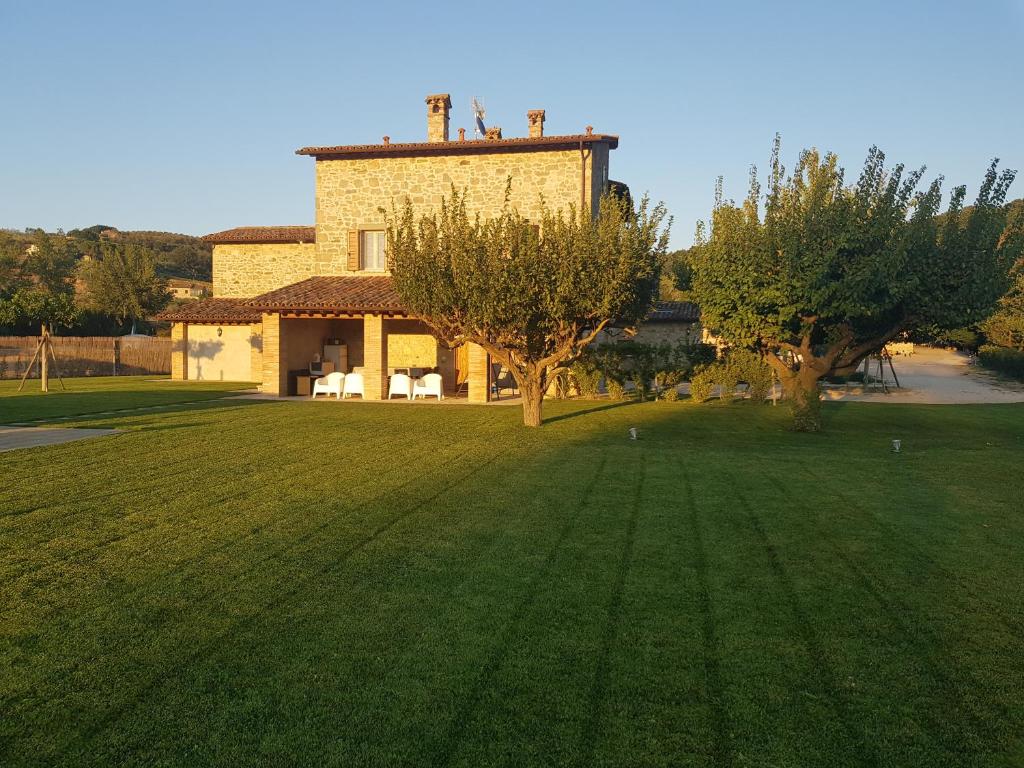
x=353 y=250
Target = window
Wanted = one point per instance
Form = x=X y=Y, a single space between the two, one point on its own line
x=371 y=249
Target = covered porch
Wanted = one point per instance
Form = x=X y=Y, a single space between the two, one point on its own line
x=357 y=325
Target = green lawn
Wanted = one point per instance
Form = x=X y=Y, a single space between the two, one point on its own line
x=353 y=584
x=102 y=394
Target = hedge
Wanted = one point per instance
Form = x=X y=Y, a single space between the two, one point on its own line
x=1002 y=359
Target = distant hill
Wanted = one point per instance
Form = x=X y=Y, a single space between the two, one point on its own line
x=176 y=255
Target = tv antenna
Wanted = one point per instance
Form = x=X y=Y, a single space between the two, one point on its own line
x=479 y=114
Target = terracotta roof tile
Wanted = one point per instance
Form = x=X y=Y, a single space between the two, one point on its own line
x=674 y=312
x=240 y=235
x=346 y=293
x=226 y=311
x=472 y=147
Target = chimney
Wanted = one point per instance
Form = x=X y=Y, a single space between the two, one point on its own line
x=535 y=117
x=493 y=133
x=438 y=107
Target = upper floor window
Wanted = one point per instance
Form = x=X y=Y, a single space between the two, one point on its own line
x=371 y=250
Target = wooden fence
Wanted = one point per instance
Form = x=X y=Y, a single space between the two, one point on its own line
x=88 y=355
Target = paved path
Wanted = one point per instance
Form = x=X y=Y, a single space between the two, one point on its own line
x=939 y=377
x=13 y=438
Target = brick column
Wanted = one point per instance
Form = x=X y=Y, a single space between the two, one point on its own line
x=479 y=375
x=375 y=358
x=179 y=351
x=275 y=366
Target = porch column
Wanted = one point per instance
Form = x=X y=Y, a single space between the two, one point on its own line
x=479 y=375
x=275 y=368
x=179 y=351
x=375 y=358
x=255 y=351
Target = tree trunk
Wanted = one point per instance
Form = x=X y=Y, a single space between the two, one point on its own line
x=800 y=388
x=533 y=396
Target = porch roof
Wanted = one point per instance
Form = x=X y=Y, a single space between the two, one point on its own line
x=341 y=294
x=212 y=311
x=674 y=312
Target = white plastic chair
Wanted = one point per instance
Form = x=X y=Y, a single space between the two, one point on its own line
x=330 y=384
x=353 y=385
x=431 y=384
x=401 y=384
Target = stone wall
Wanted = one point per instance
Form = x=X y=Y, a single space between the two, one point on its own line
x=246 y=270
x=351 y=192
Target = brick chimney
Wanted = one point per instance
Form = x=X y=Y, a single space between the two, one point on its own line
x=438 y=107
x=493 y=133
x=535 y=117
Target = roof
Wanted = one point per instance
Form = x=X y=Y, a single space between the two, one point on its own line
x=239 y=235
x=333 y=294
x=226 y=311
x=470 y=147
x=674 y=312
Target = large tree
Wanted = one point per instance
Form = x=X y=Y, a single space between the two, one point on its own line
x=122 y=282
x=819 y=274
x=37 y=281
x=532 y=294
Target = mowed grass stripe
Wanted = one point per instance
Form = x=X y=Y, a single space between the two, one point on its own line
x=239 y=474
x=962 y=712
x=377 y=590
x=297 y=570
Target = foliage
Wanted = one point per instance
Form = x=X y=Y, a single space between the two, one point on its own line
x=586 y=375
x=122 y=282
x=652 y=369
x=532 y=296
x=35 y=306
x=37 y=281
x=676 y=277
x=823 y=274
x=616 y=389
x=748 y=367
x=1003 y=359
x=1006 y=326
x=702 y=383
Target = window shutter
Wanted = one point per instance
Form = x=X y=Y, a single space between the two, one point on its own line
x=353 y=250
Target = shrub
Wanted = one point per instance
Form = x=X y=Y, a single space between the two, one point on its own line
x=586 y=375
x=701 y=384
x=748 y=367
x=1003 y=359
x=725 y=376
x=615 y=389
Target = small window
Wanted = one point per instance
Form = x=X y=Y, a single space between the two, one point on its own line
x=372 y=250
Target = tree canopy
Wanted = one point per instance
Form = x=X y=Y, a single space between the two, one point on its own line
x=122 y=282
x=532 y=294
x=818 y=274
x=37 y=282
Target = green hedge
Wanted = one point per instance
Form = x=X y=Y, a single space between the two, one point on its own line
x=1002 y=359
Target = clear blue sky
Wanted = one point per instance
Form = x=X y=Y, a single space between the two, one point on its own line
x=184 y=116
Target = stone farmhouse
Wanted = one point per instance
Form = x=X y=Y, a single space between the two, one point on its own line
x=286 y=297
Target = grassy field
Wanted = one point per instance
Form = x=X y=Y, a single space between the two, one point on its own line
x=352 y=584
x=101 y=394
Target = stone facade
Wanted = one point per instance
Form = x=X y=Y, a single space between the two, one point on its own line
x=249 y=269
x=351 y=192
